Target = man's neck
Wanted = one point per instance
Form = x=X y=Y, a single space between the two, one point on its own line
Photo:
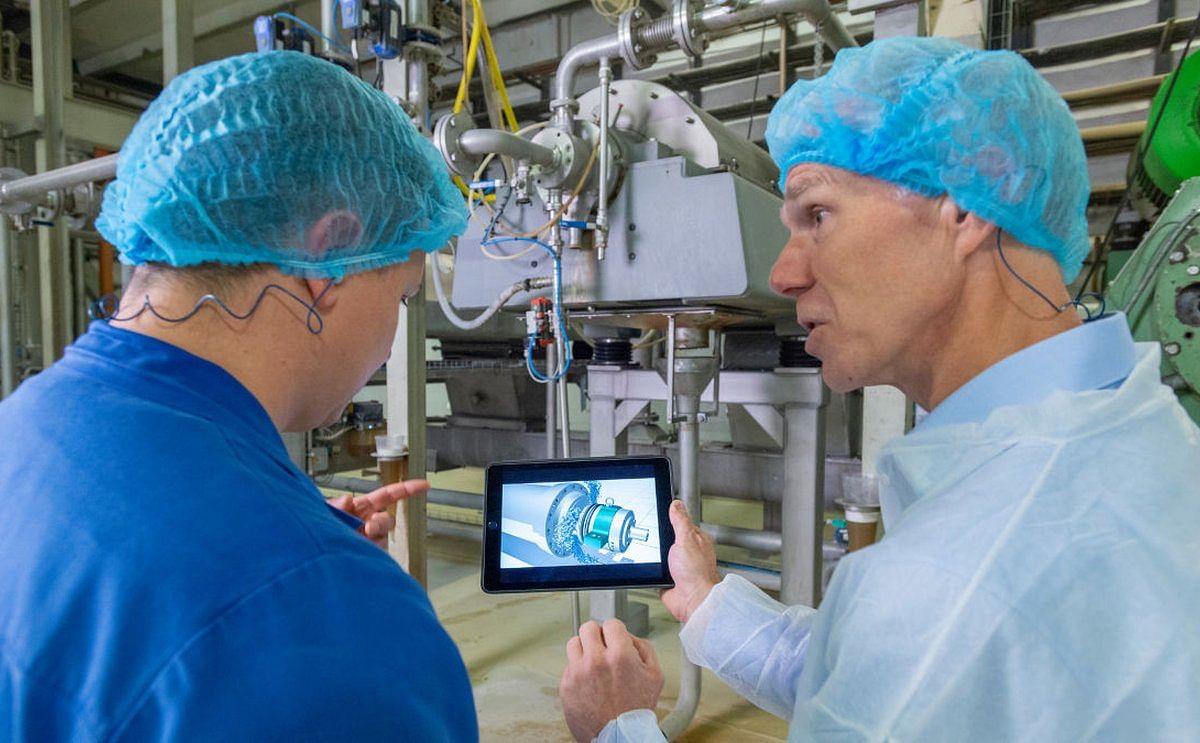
x=996 y=318
x=255 y=358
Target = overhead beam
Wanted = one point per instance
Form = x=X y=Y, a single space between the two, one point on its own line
x=205 y=25
x=178 y=34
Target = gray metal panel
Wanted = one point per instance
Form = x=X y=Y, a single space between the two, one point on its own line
x=1107 y=169
x=677 y=236
x=1094 y=73
x=1071 y=27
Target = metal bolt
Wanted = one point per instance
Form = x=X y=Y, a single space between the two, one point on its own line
x=1177 y=257
x=1172 y=349
x=1193 y=270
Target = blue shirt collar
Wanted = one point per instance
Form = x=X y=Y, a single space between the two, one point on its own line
x=1096 y=355
x=156 y=370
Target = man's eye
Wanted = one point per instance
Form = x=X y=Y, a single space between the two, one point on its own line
x=818 y=214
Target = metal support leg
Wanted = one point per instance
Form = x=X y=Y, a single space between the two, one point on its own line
x=607 y=441
x=8 y=374
x=178 y=38
x=803 y=496
x=406 y=416
x=551 y=405
x=51 y=83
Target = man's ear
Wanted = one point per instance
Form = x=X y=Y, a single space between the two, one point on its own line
x=336 y=229
x=970 y=232
x=324 y=292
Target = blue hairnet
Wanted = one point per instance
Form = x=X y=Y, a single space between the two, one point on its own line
x=237 y=159
x=939 y=118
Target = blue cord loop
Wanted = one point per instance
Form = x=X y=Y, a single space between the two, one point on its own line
x=106 y=307
x=309 y=28
x=1077 y=302
x=489 y=240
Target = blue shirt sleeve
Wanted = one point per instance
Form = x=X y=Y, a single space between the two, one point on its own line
x=341 y=647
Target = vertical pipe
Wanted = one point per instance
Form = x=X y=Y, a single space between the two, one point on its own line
x=327 y=24
x=564 y=413
x=602 y=197
x=551 y=404
x=79 y=290
x=51 y=81
x=803 y=501
x=670 y=371
x=7 y=360
x=406 y=417
x=784 y=29
x=417 y=14
x=178 y=32
x=688 y=407
x=108 y=257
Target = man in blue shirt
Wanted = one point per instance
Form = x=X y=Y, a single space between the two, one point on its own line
x=1040 y=575
x=166 y=573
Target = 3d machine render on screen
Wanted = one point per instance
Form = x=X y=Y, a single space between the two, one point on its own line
x=577 y=524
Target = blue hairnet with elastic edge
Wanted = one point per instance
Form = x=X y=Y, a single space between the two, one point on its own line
x=237 y=160
x=939 y=118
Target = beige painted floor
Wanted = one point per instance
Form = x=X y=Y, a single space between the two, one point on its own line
x=513 y=646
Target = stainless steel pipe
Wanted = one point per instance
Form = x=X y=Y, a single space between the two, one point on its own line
x=688 y=408
x=33 y=188
x=710 y=20
x=8 y=371
x=488 y=141
x=751 y=539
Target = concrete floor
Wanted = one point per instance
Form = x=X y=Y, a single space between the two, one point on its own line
x=513 y=646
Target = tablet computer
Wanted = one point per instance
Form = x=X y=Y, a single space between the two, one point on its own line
x=577 y=524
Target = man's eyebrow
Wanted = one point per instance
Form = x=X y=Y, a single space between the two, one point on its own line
x=796 y=188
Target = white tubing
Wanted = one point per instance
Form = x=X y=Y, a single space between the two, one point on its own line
x=493 y=308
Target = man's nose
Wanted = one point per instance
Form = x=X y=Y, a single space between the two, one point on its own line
x=791 y=275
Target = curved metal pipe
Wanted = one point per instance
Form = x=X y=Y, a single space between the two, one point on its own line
x=488 y=141
x=710 y=20
x=576 y=58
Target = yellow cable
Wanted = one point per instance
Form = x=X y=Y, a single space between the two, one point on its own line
x=494 y=66
x=468 y=67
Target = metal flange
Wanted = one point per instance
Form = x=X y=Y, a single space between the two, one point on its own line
x=684 y=31
x=446 y=132
x=633 y=51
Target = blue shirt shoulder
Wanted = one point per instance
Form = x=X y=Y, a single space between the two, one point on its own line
x=166 y=572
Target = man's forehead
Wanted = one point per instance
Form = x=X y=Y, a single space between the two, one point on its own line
x=805 y=176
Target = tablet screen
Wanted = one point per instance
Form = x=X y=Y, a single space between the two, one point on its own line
x=577 y=524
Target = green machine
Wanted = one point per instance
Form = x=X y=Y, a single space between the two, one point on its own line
x=1159 y=291
x=1158 y=287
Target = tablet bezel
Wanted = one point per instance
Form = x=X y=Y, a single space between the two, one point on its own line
x=573 y=578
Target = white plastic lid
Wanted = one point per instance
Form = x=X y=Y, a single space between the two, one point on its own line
x=394 y=445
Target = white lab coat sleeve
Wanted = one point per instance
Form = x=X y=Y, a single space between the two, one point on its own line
x=637 y=726
x=755 y=644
